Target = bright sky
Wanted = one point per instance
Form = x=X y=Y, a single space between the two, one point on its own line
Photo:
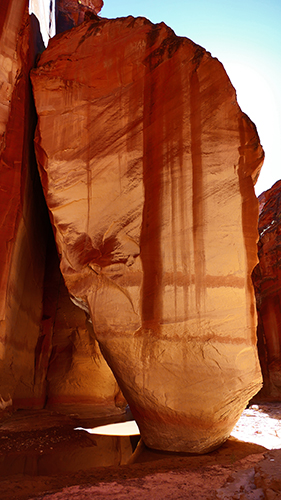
x=245 y=35
x=45 y=12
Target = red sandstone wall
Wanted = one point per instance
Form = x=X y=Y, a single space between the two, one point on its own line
x=267 y=282
x=46 y=356
x=22 y=241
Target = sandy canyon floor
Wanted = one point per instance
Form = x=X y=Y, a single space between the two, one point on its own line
x=42 y=456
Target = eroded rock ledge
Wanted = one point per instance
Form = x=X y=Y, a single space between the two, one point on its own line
x=147 y=165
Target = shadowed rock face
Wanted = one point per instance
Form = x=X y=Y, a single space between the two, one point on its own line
x=70 y=13
x=69 y=368
x=267 y=279
x=22 y=209
x=147 y=165
x=39 y=325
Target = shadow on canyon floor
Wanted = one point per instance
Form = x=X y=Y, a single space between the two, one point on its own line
x=41 y=452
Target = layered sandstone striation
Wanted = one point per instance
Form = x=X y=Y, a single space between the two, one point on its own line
x=267 y=282
x=148 y=165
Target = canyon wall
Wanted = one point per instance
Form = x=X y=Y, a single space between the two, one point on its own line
x=267 y=282
x=22 y=242
x=148 y=165
x=38 y=322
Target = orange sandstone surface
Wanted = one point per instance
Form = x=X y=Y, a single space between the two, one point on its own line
x=148 y=166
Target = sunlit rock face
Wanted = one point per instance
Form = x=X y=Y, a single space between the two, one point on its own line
x=267 y=281
x=147 y=165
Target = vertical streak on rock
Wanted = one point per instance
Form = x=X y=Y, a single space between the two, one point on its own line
x=197 y=189
x=170 y=190
x=151 y=226
x=88 y=158
x=174 y=179
x=185 y=243
x=183 y=172
x=249 y=216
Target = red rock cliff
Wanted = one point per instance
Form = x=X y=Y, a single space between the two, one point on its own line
x=147 y=165
x=267 y=281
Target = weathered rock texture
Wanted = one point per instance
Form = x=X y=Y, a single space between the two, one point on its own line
x=267 y=282
x=37 y=323
x=147 y=164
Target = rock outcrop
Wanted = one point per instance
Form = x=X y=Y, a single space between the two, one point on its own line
x=70 y=13
x=267 y=282
x=147 y=164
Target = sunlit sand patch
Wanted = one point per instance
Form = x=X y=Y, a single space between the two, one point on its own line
x=260 y=424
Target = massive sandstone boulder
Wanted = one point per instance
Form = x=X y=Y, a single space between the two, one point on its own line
x=147 y=165
x=38 y=322
x=267 y=282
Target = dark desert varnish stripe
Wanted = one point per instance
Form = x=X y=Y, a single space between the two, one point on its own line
x=151 y=227
x=197 y=187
